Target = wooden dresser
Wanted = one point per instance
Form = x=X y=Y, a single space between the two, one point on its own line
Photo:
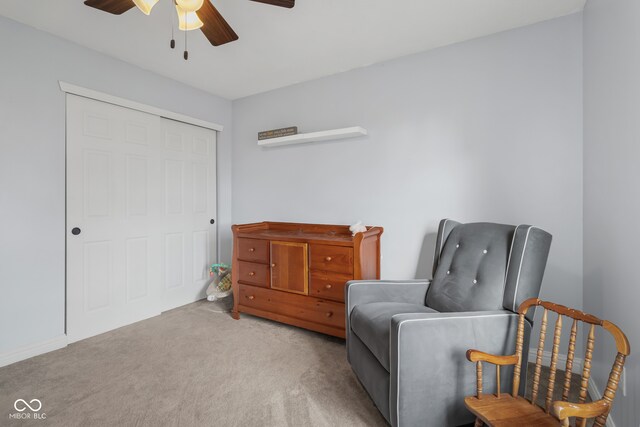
x=295 y=273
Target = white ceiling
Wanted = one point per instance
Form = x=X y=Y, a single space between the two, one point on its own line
x=278 y=46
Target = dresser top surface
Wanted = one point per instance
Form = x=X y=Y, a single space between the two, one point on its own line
x=297 y=235
x=322 y=233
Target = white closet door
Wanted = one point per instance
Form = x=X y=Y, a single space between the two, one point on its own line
x=188 y=208
x=117 y=186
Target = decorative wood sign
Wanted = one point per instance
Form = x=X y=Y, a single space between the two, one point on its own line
x=277 y=133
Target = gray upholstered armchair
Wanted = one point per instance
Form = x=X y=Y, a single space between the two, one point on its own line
x=406 y=340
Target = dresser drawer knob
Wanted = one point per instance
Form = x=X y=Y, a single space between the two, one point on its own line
x=328 y=259
x=252 y=274
x=273 y=265
x=250 y=297
x=328 y=286
x=329 y=314
x=252 y=249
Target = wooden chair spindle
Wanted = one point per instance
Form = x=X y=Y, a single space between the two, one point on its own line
x=586 y=370
x=538 y=368
x=519 y=345
x=554 y=363
x=612 y=386
x=569 y=367
x=581 y=422
x=479 y=379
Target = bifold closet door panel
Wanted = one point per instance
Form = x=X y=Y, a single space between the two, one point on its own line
x=113 y=239
x=188 y=185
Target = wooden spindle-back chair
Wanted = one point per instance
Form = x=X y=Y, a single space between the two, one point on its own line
x=502 y=409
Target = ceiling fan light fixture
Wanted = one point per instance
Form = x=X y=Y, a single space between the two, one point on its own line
x=188 y=21
x=190 y=5
x=145 y=5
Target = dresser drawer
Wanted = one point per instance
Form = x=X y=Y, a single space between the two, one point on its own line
x=326 y=284
x=253 y=273
x=253 y=250
x=332 y=258
x=292 y=305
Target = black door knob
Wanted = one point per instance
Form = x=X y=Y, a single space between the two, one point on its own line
x=75 y=231
x=212 y=221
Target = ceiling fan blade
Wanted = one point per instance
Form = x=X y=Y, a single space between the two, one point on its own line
x=116 y=7
x=215 y=27
x=283 y=3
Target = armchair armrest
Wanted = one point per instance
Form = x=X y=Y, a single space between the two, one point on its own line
x=368 y=291
x=358 y=292
x=480 y=356
x=430 y=375
x=564 y=410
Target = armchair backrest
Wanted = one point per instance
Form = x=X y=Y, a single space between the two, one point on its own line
x=486 y=266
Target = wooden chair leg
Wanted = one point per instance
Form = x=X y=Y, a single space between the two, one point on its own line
x=478 y=423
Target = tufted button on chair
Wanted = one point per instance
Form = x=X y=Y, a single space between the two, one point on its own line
x=406 y=340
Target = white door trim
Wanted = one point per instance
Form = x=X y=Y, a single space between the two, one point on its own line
x=122 y=102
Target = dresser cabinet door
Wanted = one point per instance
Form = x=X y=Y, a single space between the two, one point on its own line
x=289 y=267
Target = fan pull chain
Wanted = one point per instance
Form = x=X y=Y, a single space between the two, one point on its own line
x=172 y=43
x=186 y=52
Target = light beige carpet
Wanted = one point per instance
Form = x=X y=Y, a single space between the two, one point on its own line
x=193 y=367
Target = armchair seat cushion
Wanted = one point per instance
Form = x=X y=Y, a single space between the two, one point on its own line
x=372 y=324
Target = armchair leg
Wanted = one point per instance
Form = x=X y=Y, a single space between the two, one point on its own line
x=478 y=423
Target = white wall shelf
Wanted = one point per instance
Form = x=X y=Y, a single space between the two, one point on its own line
x=326 y=135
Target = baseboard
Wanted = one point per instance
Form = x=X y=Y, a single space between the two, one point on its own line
x=578 y=362
x=562 y=360
x=31 y=350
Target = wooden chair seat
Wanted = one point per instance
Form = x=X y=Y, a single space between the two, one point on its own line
x=508 y=411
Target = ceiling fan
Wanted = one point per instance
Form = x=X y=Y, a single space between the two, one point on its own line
x=192 y=15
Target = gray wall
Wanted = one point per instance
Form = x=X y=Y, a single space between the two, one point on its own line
x=486 y=130
x=611 y=179
x=32 y=166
